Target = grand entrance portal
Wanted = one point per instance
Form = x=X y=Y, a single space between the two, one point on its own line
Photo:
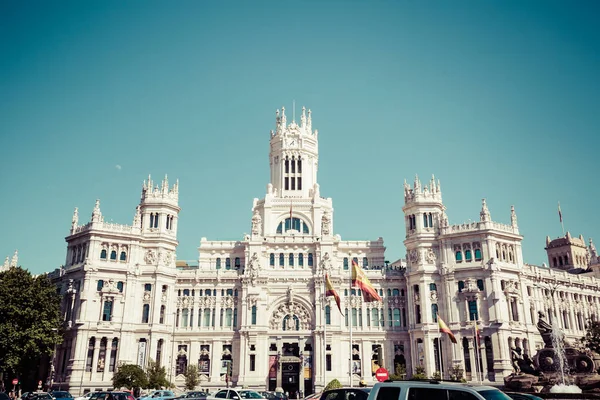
x=290 y=377
x=291 y=370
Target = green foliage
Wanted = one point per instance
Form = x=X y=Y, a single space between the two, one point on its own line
x=334 y=384
x=456 y=374
x=30 y=321
x=157 y=376
x=591 y=340
x=437 y=376
x=130 y=376
x=191 y=377
x=419 y=373
x=399 y=374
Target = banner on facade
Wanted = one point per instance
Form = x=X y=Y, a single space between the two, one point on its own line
x=204 y=367
x=272 y=366
x=420 y=354
x=142 y=354
x=307 y=364
x=356 y=367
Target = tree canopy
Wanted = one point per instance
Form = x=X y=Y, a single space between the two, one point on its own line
x=130 y=376
x=157 y=376
x=591 y=340
x=30 y=321
x=191 y=377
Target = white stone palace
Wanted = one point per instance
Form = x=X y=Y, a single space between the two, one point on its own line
x=251 y=312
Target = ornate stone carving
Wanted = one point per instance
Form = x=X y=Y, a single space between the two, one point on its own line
x=447 y=269
x=290 y=310
x=256 y=223
x=325 y=263
x=150 y=257
x=434 y=296
x=166 y=257
x=326 y=224
x=415 y=256
x=146 y=296
x=430 y=257
x=253 y=268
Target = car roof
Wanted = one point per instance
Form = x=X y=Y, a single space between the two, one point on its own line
x=440 y=384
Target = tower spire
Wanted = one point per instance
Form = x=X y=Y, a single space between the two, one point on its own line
x=484 y=215
x=513 y=216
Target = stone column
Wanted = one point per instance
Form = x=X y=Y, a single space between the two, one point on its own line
x=366 y=359
x=216 y=349
x=302 y=343
x=483 y=366
x=279 y=353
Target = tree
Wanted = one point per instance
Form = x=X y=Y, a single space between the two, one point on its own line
x=334 y=384
x=400 y=372
x=191 y=377
x=157 y=376
x=591 y=340
x=130 y=376
x=30 y=324
x=419 y=373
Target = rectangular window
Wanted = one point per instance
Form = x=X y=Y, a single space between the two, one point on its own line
x=252 y=362
x=354 y=317
x=327 y=315
x=293 y=183
x=286 y=183
x=299 y=166
x=328 y=362
x=107 y=310
x=473 y=310
x=218 y=263
x=418 y=313
x=293 y=166
x=253 y=315
x=299 y=183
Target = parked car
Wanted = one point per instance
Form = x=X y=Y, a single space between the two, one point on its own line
x=359 y=393
x=236 y=394
x=112 y=395
x=429 y=390
x=62 y=395
x=85 y=396
x=39 y=396
x=159 y=395
x=522 y=396
x=193 y=395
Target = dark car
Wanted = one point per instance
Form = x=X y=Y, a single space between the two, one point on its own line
x=39 y=396
x=523 y=396
x=59 y=394
x=193 y=395
x=112 y=396
x=346 y=394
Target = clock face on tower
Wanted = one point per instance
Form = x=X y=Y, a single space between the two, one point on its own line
x=293 y=143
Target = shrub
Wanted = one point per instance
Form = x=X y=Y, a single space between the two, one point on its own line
x=334 y=384
x=420 y=373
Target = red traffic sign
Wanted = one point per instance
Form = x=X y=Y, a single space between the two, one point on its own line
x=15 y=381
x=382 y=374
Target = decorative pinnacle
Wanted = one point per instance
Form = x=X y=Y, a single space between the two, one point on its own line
x=513 y=216
x=484 y=215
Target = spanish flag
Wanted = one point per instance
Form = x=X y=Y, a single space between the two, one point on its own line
x=331 y=292
x=360 y=280
x=444 y=328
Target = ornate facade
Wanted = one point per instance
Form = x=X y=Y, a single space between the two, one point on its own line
x=251 y=312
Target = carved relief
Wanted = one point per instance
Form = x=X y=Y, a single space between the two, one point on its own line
x=290 y=310
x=325 y=263
x=253 y=268
x=326 y=224
x=150 y=257
x=430 y=257
x=256 y=223
x=434 y=296
x=414 y=256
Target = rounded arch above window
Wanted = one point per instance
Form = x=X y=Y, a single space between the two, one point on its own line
x=294 y=224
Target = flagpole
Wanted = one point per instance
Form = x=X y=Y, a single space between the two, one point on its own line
x=476 y=352
x=440 y=346
x=350 y=317
x=325 y=332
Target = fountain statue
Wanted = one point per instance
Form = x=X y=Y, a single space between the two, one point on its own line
x=557 y=368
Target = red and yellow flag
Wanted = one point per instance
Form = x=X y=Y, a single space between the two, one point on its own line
x=360 y=280
x=444 y=328
x=331 y=292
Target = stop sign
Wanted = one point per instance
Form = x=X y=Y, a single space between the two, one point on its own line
x=15 y=381
x=382 y=374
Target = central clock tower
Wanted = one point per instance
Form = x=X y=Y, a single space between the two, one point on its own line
x=294 y=156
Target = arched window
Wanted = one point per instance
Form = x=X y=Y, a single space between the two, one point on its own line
x=113 y=255
x=123 y=256
x=430 y=220
x=365 y=262
x=293 y=223
x=101 y=355
x=228 y=263
x=229 y=292
x=425 y=220
x=480 y=284
x=434 y=312
x=103 y=254
x=162 y=315
x=346 y=263
x=90 y=354
x=237 y=263
x=228 y=317
x=310 y=259
x=145 y=313
x=458 y=256
x=433 y=287
x=120 y=286
x=395 y=292
x=186 y=292
x=218 y=263
x=291 y=259
x=185 y=317
x=235 y=293
x=100 y=285
x=461 y=286
x=477 y=255
x=281 y=260
x=389 y=292
x=148 y=287
x=301 y=259
x=468 y=256
x=272 y=259
x=253 y=315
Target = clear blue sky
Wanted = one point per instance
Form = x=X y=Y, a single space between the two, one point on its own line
x=498 y=99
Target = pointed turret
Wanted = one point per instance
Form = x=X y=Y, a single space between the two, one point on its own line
x=513 y=217
x=75 y=220
x=592 y=248
x=137 y=218
x=96 y=214
x=484 y=215
x=14 y=261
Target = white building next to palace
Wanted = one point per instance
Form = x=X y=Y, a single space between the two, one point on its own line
x=251 y=312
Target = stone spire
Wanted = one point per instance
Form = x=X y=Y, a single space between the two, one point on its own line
x=137 y=218
x=14 y=261
x=309 y=122
x=96 y=214
x=5 y=265
x=513 y=216
x=484 y=215
x=165 y=185
x=593 y=251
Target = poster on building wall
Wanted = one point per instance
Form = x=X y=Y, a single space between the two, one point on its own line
x=204 y=367
x=224 y=364
x=356 y=367
x=272 y=366
x=141 y=354
x=420 y=354
x=307 y=364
